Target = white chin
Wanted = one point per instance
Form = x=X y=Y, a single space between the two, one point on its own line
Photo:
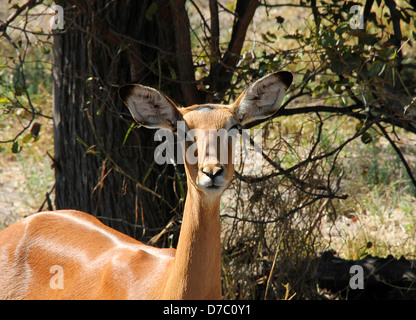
x=213 y=190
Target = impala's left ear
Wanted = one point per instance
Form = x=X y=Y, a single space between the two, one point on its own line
x=150 y=107
x=262 y=98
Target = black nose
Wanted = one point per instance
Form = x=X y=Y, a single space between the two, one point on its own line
x=213 y=172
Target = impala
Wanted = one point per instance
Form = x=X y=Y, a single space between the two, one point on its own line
x=93 y=261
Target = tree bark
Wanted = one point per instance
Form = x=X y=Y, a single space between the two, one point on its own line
x=99 y=169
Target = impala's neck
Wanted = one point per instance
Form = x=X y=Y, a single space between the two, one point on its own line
x=196 y=272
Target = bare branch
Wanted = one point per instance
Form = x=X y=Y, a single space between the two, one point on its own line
x=215 y=34
x=286 y=172
x=244 y=14
x=220 y=76
x=316 y=14
x=19 y=9
x=288 y=213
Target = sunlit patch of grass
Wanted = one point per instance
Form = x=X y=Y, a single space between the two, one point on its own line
x=377 y=218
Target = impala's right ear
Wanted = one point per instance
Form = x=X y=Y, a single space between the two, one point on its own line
x=150 y=107
x=262 y=98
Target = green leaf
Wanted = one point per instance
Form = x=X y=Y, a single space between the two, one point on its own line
x=337 y=66
x=181 y=188
x=265 y=38
x=78 y=138
x=343 y=28
x=393 y=55
x=280 y=19
x=149 y=171
x=19 y=90
x=292 y=36
x=4 y=100
x=128 y=133
x=359 y=126
x=45 y=50
x=366 y=138
x=409 y=61
x=150 y=12
x=271 y=35
x=16 y=148
x=377 y=69
x=27 y=138
x=172 y=73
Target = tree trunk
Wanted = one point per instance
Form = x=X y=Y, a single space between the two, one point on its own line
x=99 y=170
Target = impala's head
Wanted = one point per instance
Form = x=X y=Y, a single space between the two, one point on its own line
x=212 y=171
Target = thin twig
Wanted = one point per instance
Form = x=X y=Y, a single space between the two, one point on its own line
x=399 y=153
x=281 y=171
x=287 y=214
